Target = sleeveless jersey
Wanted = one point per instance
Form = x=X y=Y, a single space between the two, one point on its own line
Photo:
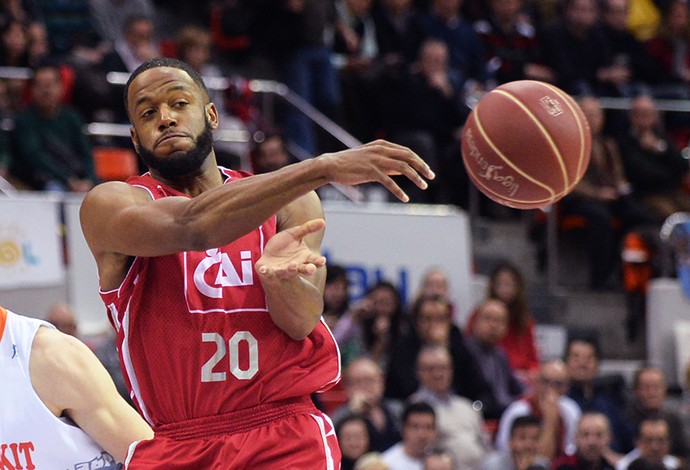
x=195 y=336
x=30 y=435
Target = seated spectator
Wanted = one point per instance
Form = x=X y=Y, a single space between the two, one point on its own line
x=510 y=42
x=372 y=325
x=336 y=297
x=107 y=353
x=507 y=284
x=652 y=445
x=654 y=165
x=669 y=51
x=426 y=111
x=579 y=53
x=559 y=414
x=490 y=326
x=371 y=461
x=13 y=44
x=650 y=401
x=444 y=21
x=439 y=459
x=432 y=325
x=602 y=196
x=459 y=426
x=353 y=438
x=355 y=55
x=62 y=317
x=599 y=394
x=418 y=435
x=270 y=154
x=626 y=48
x=593 y=439
x=110 y=15
x=364 y=381
x=51 y=150
x=522 y=450
x=393 y=21
x=435 y=282
x=136 y=46
x=195 y=47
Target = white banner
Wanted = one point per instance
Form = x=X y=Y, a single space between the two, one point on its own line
x=30 y=242
x=398 y=243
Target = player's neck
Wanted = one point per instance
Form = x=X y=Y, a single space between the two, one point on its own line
x=196 y=182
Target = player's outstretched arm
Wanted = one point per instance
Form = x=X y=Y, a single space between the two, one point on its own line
x=292 y=269
x=119 y=218
x=70 y=380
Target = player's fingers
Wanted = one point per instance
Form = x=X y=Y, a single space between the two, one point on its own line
x=405 y=154
x=310 y=226
x=388 y=183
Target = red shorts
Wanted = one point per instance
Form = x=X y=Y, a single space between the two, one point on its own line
x=291 y=434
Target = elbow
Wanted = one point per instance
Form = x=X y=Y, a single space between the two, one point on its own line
x=298 y=331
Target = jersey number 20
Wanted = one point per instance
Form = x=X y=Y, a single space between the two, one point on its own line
x=207 y=374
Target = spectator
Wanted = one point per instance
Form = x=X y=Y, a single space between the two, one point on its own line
x=579 y=53
x=13 y=44
x=293 y=34
x=37 y=44
x=136 y=46
x=650 y=401
x=336 y=296
x=522 y=450
x=426 y=111
x=418 y=435
x=459 y=426
x=372 y=325
x=669 y=51
x=106 y=352
x=593 y=439
x=110 y=16
x=355 y=55
x=599 y=394
x=393 y=21
x=626 y=48
x=652 y=445
x=435 y=282
x=51 y=150
x=371 y=461
x=654 y=165
x=439 y=459
x=353 y=437
x=510 y=42
x=270 y=154
x=548 y=401
x=507 y=284
x=61 y=317
x=602 y=196
x=194 y=46
x=466 y=55
x=490 y=326
x=432 y=324
x=364 y=382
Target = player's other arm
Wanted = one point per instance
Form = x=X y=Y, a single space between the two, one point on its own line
x=71 y=381
x=292 y=269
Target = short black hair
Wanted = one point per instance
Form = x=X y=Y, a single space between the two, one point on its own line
x=165 y=62
x=418 y=407
x=524 y=422
x=591 y=340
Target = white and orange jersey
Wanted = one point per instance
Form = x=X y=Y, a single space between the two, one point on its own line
x=195 y=336
x=31 y=436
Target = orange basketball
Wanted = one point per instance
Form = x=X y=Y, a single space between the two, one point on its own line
x=526 y=144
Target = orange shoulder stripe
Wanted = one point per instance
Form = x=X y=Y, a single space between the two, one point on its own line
x=3 y=319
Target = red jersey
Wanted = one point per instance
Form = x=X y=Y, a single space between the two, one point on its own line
x=195 y=336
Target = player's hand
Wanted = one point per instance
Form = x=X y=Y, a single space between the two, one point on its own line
x=377 y=161
x=286 y=255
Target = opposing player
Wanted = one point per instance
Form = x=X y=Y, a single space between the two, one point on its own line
x=60 y=408
x=213 y=280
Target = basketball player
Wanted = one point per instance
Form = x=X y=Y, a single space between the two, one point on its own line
x=60 y=408
x=213 y=280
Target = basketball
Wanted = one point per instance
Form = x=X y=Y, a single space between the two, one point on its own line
x=526 y=144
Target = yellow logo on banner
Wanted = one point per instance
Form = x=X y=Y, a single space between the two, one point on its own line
x=10 y=253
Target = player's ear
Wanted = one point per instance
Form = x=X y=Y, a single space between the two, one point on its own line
x=135 y=138
x=211 y=115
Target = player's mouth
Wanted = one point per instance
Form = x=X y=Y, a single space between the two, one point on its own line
x=170 y=137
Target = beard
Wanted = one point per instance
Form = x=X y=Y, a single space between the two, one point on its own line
x=180 y=163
